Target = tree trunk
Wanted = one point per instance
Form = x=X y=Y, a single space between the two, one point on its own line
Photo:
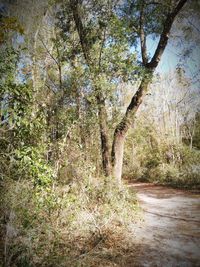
x=124 y=125
x=117 y=155
x=104 y=135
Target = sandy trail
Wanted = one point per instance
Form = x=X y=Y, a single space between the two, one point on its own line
x=169 y=236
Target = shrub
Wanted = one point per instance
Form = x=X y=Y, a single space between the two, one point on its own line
x=160 y=159
x=53 y=225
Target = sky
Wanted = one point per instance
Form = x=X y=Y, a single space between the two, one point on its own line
x=173 y=56
x=169 y=59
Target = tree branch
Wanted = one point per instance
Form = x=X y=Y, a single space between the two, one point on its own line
x=101 y=49
x=48 y=52
x=165 y=35
x=80 y=28
x=193 y=25
x=136 y=100
x=143 y=37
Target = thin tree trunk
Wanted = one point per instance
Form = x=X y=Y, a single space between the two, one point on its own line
x=104 y=134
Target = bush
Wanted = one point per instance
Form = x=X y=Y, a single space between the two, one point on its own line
x=55 y=225
x=157 y=158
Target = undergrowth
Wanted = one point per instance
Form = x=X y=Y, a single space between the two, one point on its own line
x=66 y=225
x=153 y=157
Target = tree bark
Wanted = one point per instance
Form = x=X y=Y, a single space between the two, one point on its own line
x=104 y=135
x=124 y=125
x=117 y=155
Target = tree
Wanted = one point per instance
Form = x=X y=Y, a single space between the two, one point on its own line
x=149 y=66
x=86 y=30
x=101 y=31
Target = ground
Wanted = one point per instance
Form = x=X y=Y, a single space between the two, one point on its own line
x=169 y=235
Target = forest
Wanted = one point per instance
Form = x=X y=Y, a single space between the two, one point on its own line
x=95 y=96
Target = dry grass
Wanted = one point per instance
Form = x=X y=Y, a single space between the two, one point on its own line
x=79 y=224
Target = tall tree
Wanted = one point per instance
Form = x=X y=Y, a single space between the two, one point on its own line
x=105 y=32
x=147 y=23
x=92 y=24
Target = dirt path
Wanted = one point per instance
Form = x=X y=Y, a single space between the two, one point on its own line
x=169 y=236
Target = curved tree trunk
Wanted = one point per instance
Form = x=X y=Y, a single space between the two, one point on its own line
x=124 y=125
x=128 y=120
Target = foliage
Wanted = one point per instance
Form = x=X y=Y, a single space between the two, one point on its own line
x=152 y=156
x=51 y=197
x=47 y=223
x=7 y=25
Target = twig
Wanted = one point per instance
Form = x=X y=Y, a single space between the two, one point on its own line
x=49 y=53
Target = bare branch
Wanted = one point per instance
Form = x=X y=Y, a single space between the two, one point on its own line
x=194 y=26
x=49 y=53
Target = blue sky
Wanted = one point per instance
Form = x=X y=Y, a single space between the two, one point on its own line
x=173 y=56
x=169 y=59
